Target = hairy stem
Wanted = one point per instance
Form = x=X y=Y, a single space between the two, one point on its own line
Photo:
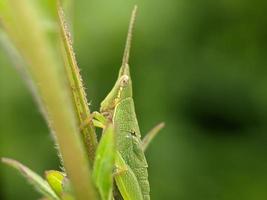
x=23 y=25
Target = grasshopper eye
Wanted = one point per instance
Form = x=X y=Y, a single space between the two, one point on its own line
x=124 y=80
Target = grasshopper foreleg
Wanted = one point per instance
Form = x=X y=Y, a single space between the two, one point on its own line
x=97 y=119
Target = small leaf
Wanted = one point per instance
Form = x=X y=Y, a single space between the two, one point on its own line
x=104 y=163
x=59 y=182
x=55 y=180
x=40 y=184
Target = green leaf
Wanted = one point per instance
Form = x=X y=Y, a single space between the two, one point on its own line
x=55 y=179
x=59 y=182
x=40 y=184
x=23 y=22
x=104 y=163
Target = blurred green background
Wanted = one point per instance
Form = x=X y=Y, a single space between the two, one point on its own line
x=200 y=66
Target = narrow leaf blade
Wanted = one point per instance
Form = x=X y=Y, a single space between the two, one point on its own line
x=104 y=163
x=37 y=181
x=151 y=135
x=22 y=21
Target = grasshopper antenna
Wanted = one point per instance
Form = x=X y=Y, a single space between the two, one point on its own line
x=127 y=49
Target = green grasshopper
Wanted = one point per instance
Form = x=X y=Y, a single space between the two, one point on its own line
x=131 y=174
x=118 y=107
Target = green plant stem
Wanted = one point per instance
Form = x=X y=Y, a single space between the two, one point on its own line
x=23 y=25
x=77 y=88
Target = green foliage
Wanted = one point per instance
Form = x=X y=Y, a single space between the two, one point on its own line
x=55 y=180
x=24 y=25
x=77 y=89
x=104 y=163
x=38 y=182
x=51 y=66
x=151 y=135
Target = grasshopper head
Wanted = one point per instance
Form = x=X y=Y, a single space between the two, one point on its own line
x=121 y=90
x=123 y=86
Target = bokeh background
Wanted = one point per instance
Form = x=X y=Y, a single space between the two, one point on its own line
x=200 y=66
